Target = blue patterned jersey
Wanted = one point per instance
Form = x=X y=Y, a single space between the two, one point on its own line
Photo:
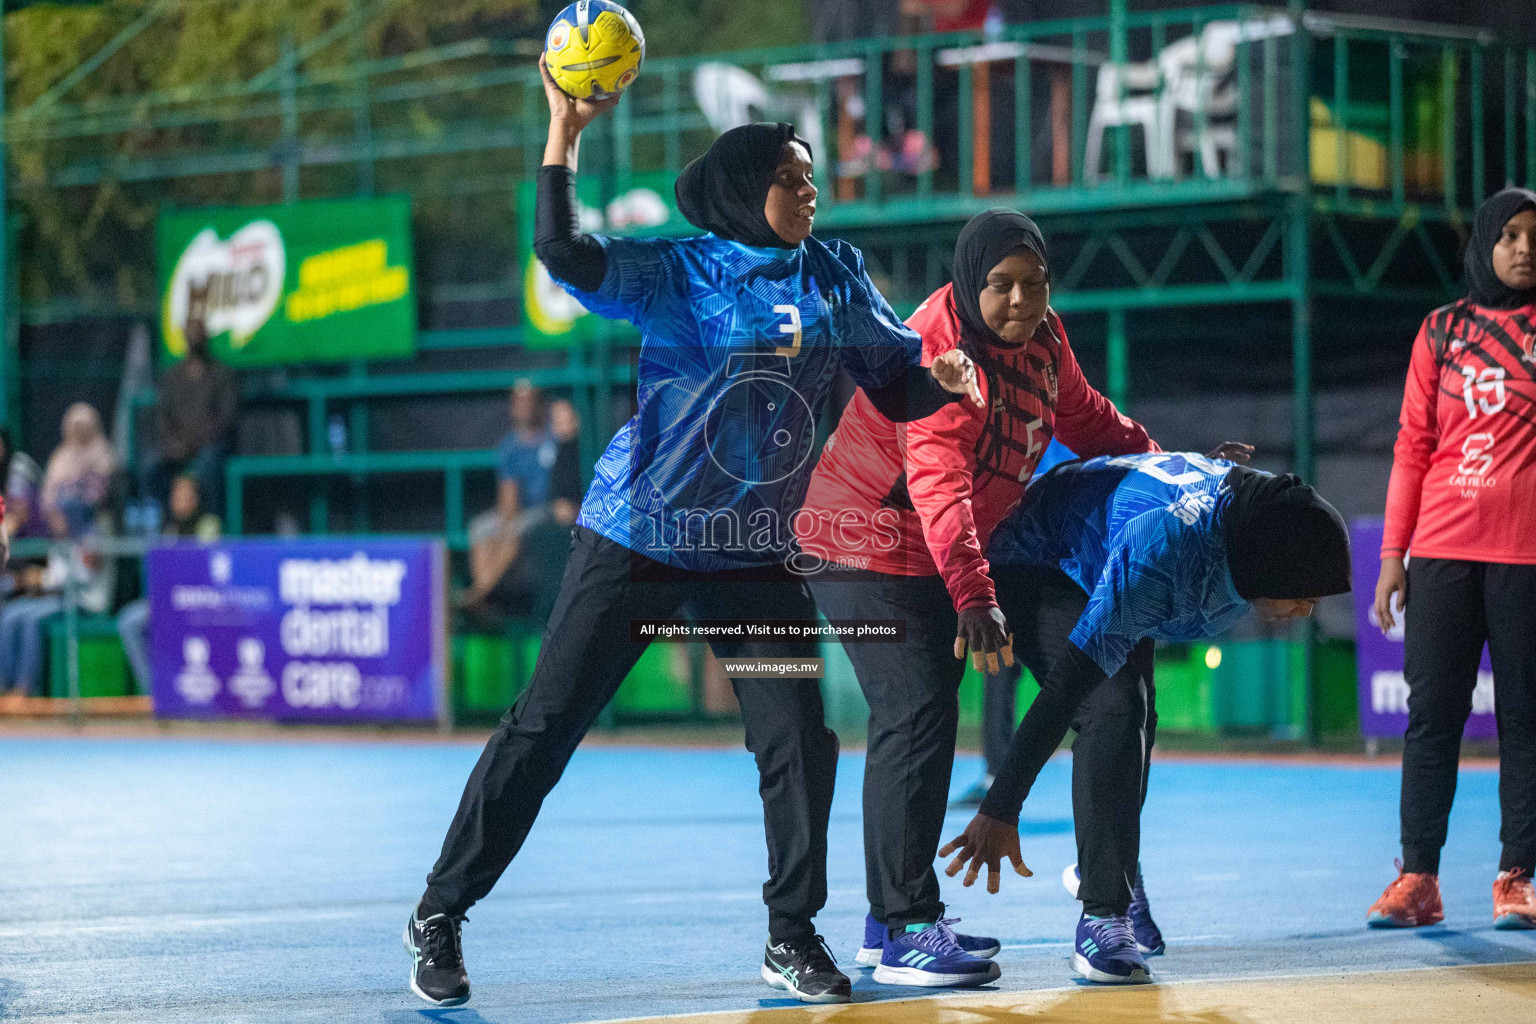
x=1143 y=535
x=739 y=349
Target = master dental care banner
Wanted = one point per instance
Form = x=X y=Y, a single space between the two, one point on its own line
x=335 y=630
x=1379 y=659
x=317 y=281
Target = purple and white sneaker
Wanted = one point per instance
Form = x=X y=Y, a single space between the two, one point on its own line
x=874 y=943
x=1149 y=937
x=929 y=956
x=1106 y=952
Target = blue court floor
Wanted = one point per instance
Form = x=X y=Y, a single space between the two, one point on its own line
x=175 y=880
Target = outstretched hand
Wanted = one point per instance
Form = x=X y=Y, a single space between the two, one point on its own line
x=985 y=841
x=957 y=374
x=1232 y=451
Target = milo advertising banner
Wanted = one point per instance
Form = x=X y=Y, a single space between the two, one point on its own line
x=644 y=209
x=305 y=282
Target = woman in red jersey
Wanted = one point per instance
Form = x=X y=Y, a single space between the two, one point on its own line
x=1463 y=498
x=901 y=514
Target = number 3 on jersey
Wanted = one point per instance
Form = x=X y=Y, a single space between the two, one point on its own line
x=793 y=327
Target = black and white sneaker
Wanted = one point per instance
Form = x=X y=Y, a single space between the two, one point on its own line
x=806 y=970
x=437 y=968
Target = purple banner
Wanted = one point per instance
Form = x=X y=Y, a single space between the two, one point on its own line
x=329 y=630
x=1379 y=657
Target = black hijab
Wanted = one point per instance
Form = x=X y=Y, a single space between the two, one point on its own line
x=1283 y=539
x=983 y=243
x=724 y=190
x=1483 y=286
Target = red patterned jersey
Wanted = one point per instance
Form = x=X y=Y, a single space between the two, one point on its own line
x=1464 y=467
x=923 y=498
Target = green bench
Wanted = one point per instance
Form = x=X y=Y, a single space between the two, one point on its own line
x=104 y=668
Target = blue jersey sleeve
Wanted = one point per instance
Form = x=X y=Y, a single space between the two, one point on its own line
x=639 y=271
x=1136 y=591
x=876 y=346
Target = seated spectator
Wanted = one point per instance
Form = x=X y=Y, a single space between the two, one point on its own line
x=497 y=588
x=194 y=417
x=500 y=586
x=79 y=473
x=565 y=484
x=22 y=479
x=527 y=453
x=74 y=488
x=187 y=521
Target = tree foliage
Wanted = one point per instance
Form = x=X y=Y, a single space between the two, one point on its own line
x=677 y=27
x=94 y=243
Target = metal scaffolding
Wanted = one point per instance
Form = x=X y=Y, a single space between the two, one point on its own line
x=1308 y=157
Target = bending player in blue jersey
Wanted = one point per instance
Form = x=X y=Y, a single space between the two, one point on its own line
x=744 y=330
x=1100 y=558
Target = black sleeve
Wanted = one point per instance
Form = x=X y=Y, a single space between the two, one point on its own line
x=557 y=239
x=1046 y=723
x=912 y=396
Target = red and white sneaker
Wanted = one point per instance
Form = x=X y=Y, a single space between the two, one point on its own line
x=1514 y=900
x=1411 y=901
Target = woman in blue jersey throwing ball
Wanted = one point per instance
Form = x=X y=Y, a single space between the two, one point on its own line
x=743 y=332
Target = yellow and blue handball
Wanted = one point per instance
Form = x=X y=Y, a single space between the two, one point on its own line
x=594 y=49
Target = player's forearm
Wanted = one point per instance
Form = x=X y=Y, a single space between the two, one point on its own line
x=562 y=145
x=939 y=481
x=1404 y=491
x=1044 y=726
x=558 y=242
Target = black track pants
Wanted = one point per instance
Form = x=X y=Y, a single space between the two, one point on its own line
x=1453 y=607
x=1115 y=727
x=586 y=653
x=913 y=693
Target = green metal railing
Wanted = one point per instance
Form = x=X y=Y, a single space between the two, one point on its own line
x=1395 y=120
x=452 y=465
x=1299 y=125
x=1411 y=100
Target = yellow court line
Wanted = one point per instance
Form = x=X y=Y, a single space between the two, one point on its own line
x=1496 y=993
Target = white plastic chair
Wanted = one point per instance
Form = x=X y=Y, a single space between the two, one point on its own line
x=729 y=96
x=1196 y=73
x=1126 y=94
